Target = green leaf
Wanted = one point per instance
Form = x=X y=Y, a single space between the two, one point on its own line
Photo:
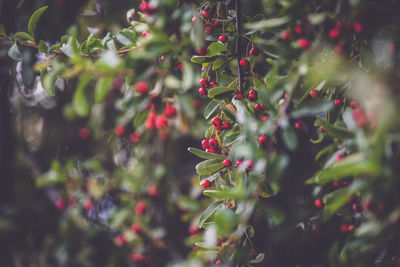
x=215 y=48
x=210 y=109
x=125 y=38
x=213 y=92
x=43 y=47
x=202 y=59
x=268 y=23
x=208 y=212
x=23 y=36
x=79 y=101
x=102 y=87
x=204 y=155
x=219 y=62
x=14 y=52
x=338 y=198
x=312 y=109
x=289 y=136
x=334 y=131
x=140 y=118
x=227 y=112
x=34 y=19
x=209 y=166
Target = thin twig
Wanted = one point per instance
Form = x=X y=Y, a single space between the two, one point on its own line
x=238 y=49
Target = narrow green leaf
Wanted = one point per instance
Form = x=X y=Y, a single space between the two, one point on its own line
x=204 y=155
x=267 y=23
x=215 y=48
x=43 y=47
x=219 y=62
x=80 y=102
x=23 y=36
x=34 y=19
x=125 y=38
x=335 y=131
x=338 y=198
x=208 y=212
x=227 y=112
x=102 y=87
x=312 y=109
x=140 y=118
x=209 y=166
x=201 y=59
x=213 y=92
x=289 y=137
x=210 y=109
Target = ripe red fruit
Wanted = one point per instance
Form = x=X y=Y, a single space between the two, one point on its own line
x=259 y=107
x=216 y=121
x=336 y=184
x=239 y=96
x=357 y=27
x=145 y=33
x=120 y=240
x=322 y=128
x=140 y=208
x=264 y=117
x=211 y=150
x=223 y=38
x=262 y=140
x=206 y=183
x=249 y=165
x=298 y=125
x=179 y=66
x=215 y=24
x=227 y=162
x=136 y=228
x=194 y=19
x=304 y=43
x=360 y=117
x=218 y=262
x=88 y=205
x=152 y=191
x=205 y=14
x=161 y=122
x=238 y=163
x=213 y=143
x=150 y=121
x=318 y=203
x=339 y=157
x=334 y=33
x=196 y=103
x=254 y=51
x=60 y=204
x=144 y=6
x=286 y=35
x=137 y=257
x=253 y=95
x=213 y=84
x=205 y=144
x=134 y=137
x=142 y=87
x=298 y=30
x=338 y=102
x=83 y=133
x=244 y=63
x=356 y=207
x=226 y=125
x=170 y=111
x=119 y=130
x=314 y=94
x=203 y=91
x=204 y=82
x=208 y=29
x=201 y=51
x=354 y=104
x=192 y=230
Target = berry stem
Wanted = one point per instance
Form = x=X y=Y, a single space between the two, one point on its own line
x=238 y=49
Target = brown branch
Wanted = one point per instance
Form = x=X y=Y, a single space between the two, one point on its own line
x=238 y=48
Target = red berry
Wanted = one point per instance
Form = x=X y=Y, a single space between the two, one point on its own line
x=205 y=14
x=152 y=191
x=213 y=143
x=318 y=203
x=218 y=262
x=286 y=35
x=150 y=121
x=60 y=204
x=170 y=111
x=339 y=157
x=144 y=6
x=227 y=162
x=206 y=183
x=140 y=208
x=120 y=240
x=161 y=122
x=334 y=33
x=356 y=207
x=211 y=150
x=336 y=184
x=357 y=27
x=249 y=165
x=338 y=102
x=238 y=163
x=259 y=107
x=216 y=121
x=201 y=51
x=204 y=82
x=88 y=205
x=196 y=103
x=215 y=24
x=264 y=117
x=145 y=33
x=298 y=125
x=360 y=117
x=244 y=63
x=192 y=230
x=137 y=257
x=213 y=84
x=314 y=94
x=208 y=29
x=322 y=128
x=205 y=144
x=304 y=43
x=179 y=66
x=354 y=104
x=136 y=228
x=83 y=133
x=194 y=19
x=298 y=30
x=253 y=95
x=203 y=91
x=134 y=137
x=239 y=96
x=254 y=51
x=226 y=125
x=141 y=87
x=119 y=130
x=223 y=38
x=262 y=140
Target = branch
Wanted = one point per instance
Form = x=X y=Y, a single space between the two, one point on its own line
x=238 y=49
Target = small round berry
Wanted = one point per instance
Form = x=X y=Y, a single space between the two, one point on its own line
x=264 y=117
x=336 y=184
x=204 y=82
x=194 y=19
x=338 y=102
x=249 y=165
x=339 y=157
x=205 y=144
x=170 y=111
x=354 y=104
x=145 y=33
x=227 y=163
x=238 y=163
x=254 y=52
x=239 y=96
x=150 y=121
x=83 y=133
x=161 y=122
x=60 y=204
x=253 y=95
x=215 y=24
x=152 y=191
x=226 y=125
x=138 y=257
x=286 y=35
x=298 y=125
x=213 y=143
x=88 y=205
x=203 y=91
x=223 y=38
x=208 y=29
x=120 y=240
x=206 y=183
x=322 y=128
x=314 y=94
x=211 y=150
x=216 y=121
x=218 y=262
x=262 y=140
x=196 y=103
x=244 y=63
x=136 y=228
x=357 y=27
x=192 y=230
x=334 y=33
x=213 y=84
x=119 y=130
x=318 y=203
x=202 y=51
x=259 y=107
x=142 y=87
x=205 y=14
x=134 y=137
x=298 y=30
x=140 y=208
x=304 y=43
x=357 y=207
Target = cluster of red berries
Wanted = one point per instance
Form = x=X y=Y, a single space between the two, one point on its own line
x=206 y=84
x=338 y=33
x=211 y=145
x=146 y=8
x=209 y=22
x=61 y=204
x=298 y=33
x=220 y=125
